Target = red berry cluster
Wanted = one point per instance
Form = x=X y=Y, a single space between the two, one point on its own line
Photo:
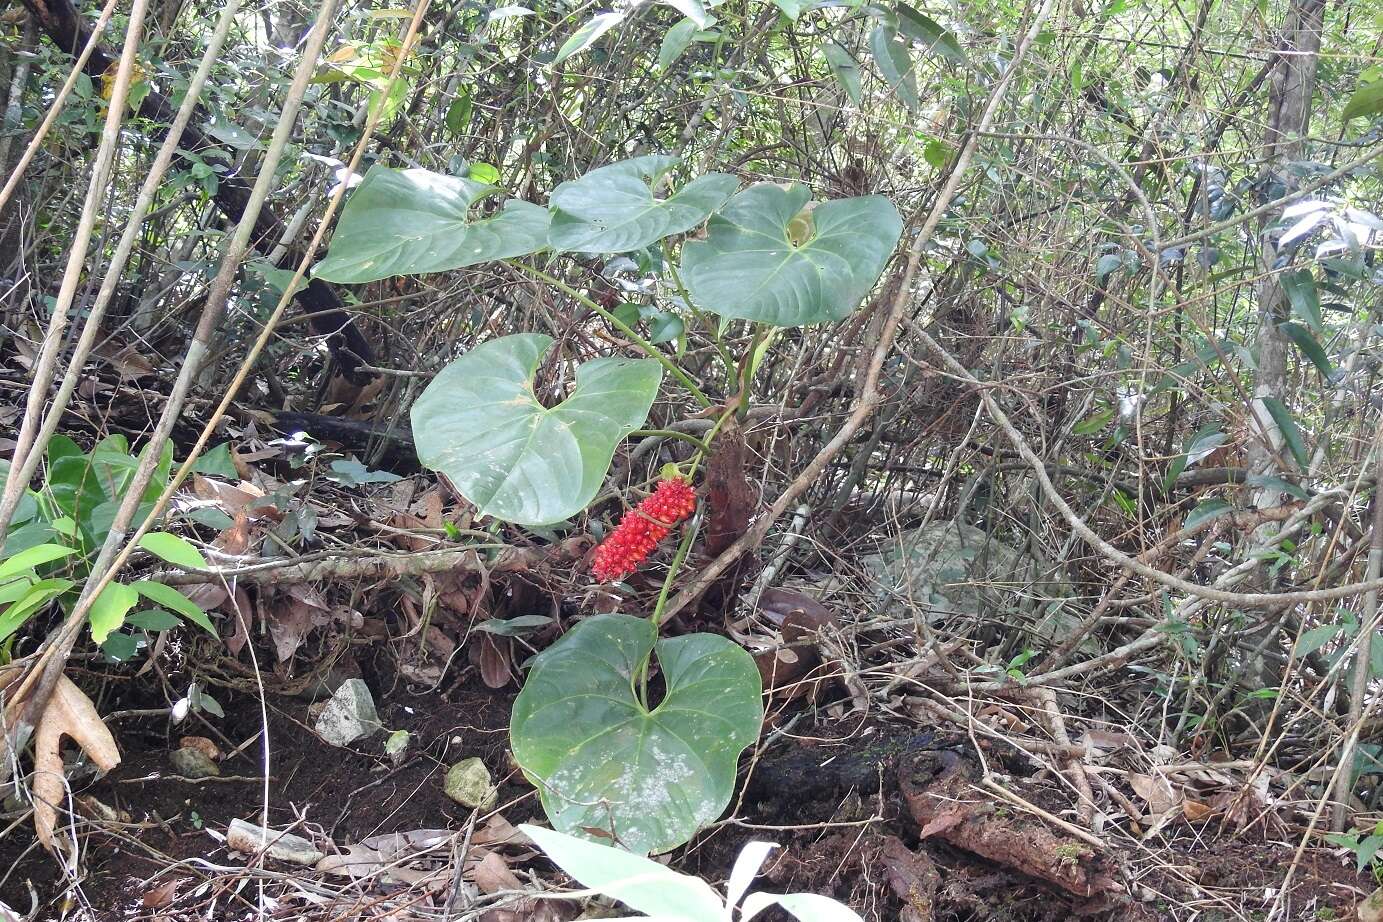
x=642 y=528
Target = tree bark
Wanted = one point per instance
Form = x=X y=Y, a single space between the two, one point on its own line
x=60 y=22
x=1289 y=113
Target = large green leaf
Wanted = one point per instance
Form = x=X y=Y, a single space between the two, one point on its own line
x=1291 y=434
x=895 y=63
x=614 y=209
x=108 y=611
x=587 y=35
x=764 y=259
x=1300 y=287
x=170 y=597
x=73 y=488
x=1309 y=346
x=846 y=71
x=640 y=883
x=32 y=557
x=480 y=423
x=1366 y=100
x=408 y=222
x=930 y=34
x=602 y=761
x=28 y=598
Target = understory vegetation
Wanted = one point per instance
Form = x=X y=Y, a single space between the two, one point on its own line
x=778 y=459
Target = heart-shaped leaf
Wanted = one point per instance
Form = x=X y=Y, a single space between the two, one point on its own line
x=408 y=222
x=764 y=259
x=613 y=209
x=603 y=761
x=480 y=423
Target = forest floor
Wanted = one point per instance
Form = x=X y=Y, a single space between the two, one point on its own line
x=890 y=783
x=881 y=813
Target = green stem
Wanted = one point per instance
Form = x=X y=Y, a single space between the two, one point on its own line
x=701 y=318
x=623 y=327
x=683 y=548
x=710 y=440
x=746 y=371
x=704 y=447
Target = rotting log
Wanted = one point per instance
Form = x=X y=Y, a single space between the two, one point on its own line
x=948 y=805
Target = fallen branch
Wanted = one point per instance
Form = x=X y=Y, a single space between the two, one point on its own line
x=377 y=567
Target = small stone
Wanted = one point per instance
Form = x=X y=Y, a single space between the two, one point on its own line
x=1371 y=910
x=349 y=715
x=193 y=763
x=250 y=839
x=396 y=746
x=468 y=783
x=213 y=752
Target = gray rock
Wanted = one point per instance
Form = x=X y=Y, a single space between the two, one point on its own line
x=468 y=783
x=946 y=569
x=349 y=715
x=193 y=763
x=250 y=839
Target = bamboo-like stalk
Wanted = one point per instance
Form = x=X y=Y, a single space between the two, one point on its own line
x=55 y=109
x=128 y=238
x=1359 y=686
x=43 y=674
x=46 y=365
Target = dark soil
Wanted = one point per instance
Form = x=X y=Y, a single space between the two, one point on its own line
x=832 y=781
x=346 y=794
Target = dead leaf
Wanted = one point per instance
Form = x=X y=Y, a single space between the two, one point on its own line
x=492 y=875
x=406 y=522
x=796 y=669
x=1195 y=810
x=160 y=896
x=401 y=494
x=1156 y=791
x=438 y=643
x=796 y=614
x=289 y=622
x=129 y=361
x=942 y=822
x=1102 y=742
x=241 y=611
x=428 y=508
x=357 y=862
x=730 y=499
x=69 y=713
x=231 y=499
x=492 y=654
x=236 y=540
x=205 y=595
x=397 y=846
x=498 y=831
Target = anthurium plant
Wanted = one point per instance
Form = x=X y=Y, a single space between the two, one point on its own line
x=608 y=760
